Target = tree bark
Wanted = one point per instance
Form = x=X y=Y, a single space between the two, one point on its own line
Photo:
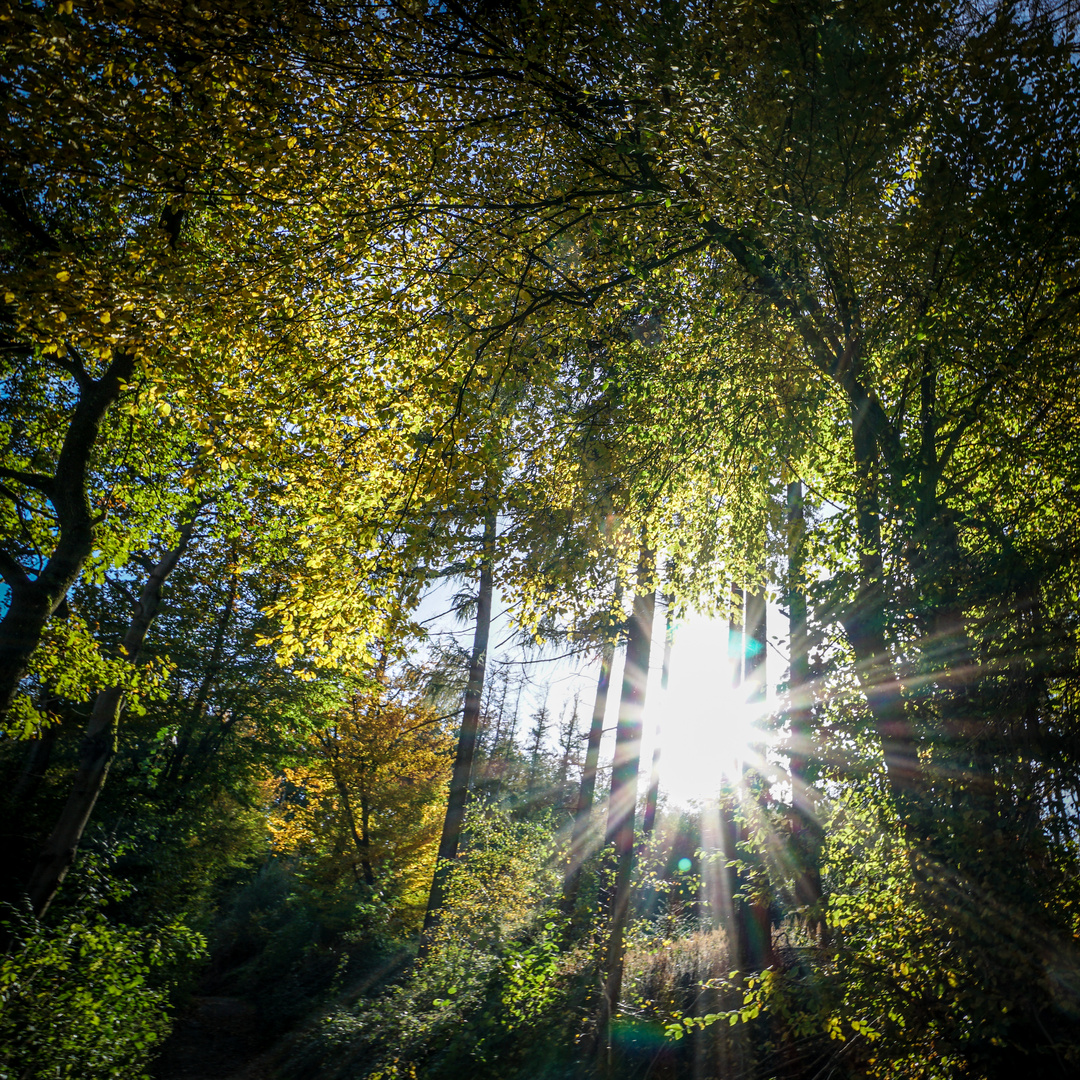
x=360 y=837
x=624 y=786
x=732 y=912
x=213 y=669
x=581 y=842
x=732 y=1048
x=35 y=600
x=466 y=747
x=648 y=821
x=804 y=823
x=864 y=624
x=98 y=746
x=35 y=767
x=757 y=936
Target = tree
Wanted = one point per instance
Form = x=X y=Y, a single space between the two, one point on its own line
x=828 y=176
x=470 y=722
x=582 y=840
x=99 y=743
x=622 y=802
x=173 y=238
x=361 y=806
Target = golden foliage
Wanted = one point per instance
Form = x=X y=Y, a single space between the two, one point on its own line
x=363 y=805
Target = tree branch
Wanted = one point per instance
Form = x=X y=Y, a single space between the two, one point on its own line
x=12 y=572
x=39 y=481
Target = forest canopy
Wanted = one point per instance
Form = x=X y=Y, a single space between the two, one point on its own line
x=373 y=373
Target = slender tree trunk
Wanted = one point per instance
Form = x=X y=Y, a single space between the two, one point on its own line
x=510 y=739
x=569 y=736
x=581 y=841
x=359 y=838
x=732 y=911
x=34 y=769
x=648 y=821
x=365 y=838
x=757 y=939
x=799 y=678
x=622 y=803
x=35 y=600
x=504 y=682
x=16 y=846
x=731 y=1046
x=98 y=746
x=757 y=644
x=804 y=820
x=213 y=669
x=466 y=747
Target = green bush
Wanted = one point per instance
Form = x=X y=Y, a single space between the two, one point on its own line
x=77 y=998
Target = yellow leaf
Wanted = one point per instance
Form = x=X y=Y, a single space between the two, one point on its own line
x=106 y=317
x=63 y=276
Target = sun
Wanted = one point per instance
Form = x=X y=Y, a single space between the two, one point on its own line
x=706 y=726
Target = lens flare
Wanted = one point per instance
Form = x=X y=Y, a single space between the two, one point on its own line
x=707 y=728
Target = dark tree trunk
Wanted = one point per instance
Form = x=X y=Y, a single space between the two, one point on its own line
x=757 y=938
x=732 y=911
x=365 y=839
x=581 y=840
x=731 y=1047
x=622 y=802
x=648 y=821
x=98 y=746
x=805 y=828
x=466 y=747
x=202 y=695
x=360 y=838
x=18 y=843
x=35 y=767
x=35 y=600
x=865 y=623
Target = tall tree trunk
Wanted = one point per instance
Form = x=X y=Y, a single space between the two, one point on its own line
x=365 y=837
x=581 y=841
x=948 y=653
x=732 y=914
x=648 y=821
x=361 y=840
x=804 y=824
x=98 y=746
x=622 y=802
x=466 y=747
x=757 y=939
x=17 y=841
x=213 y=670
x=731 y=1046
x=34 y=768
x=33 y=601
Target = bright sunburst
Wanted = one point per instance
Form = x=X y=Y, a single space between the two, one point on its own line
x=706 y=725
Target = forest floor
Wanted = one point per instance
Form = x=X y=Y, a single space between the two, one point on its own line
x=220 y=1037
x=215 y=1038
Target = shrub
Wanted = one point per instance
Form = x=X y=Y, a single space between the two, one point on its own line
x=77 y=998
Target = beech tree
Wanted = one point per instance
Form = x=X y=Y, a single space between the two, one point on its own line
x=491 y=291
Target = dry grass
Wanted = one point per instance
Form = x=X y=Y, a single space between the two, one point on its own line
x=663 y=977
